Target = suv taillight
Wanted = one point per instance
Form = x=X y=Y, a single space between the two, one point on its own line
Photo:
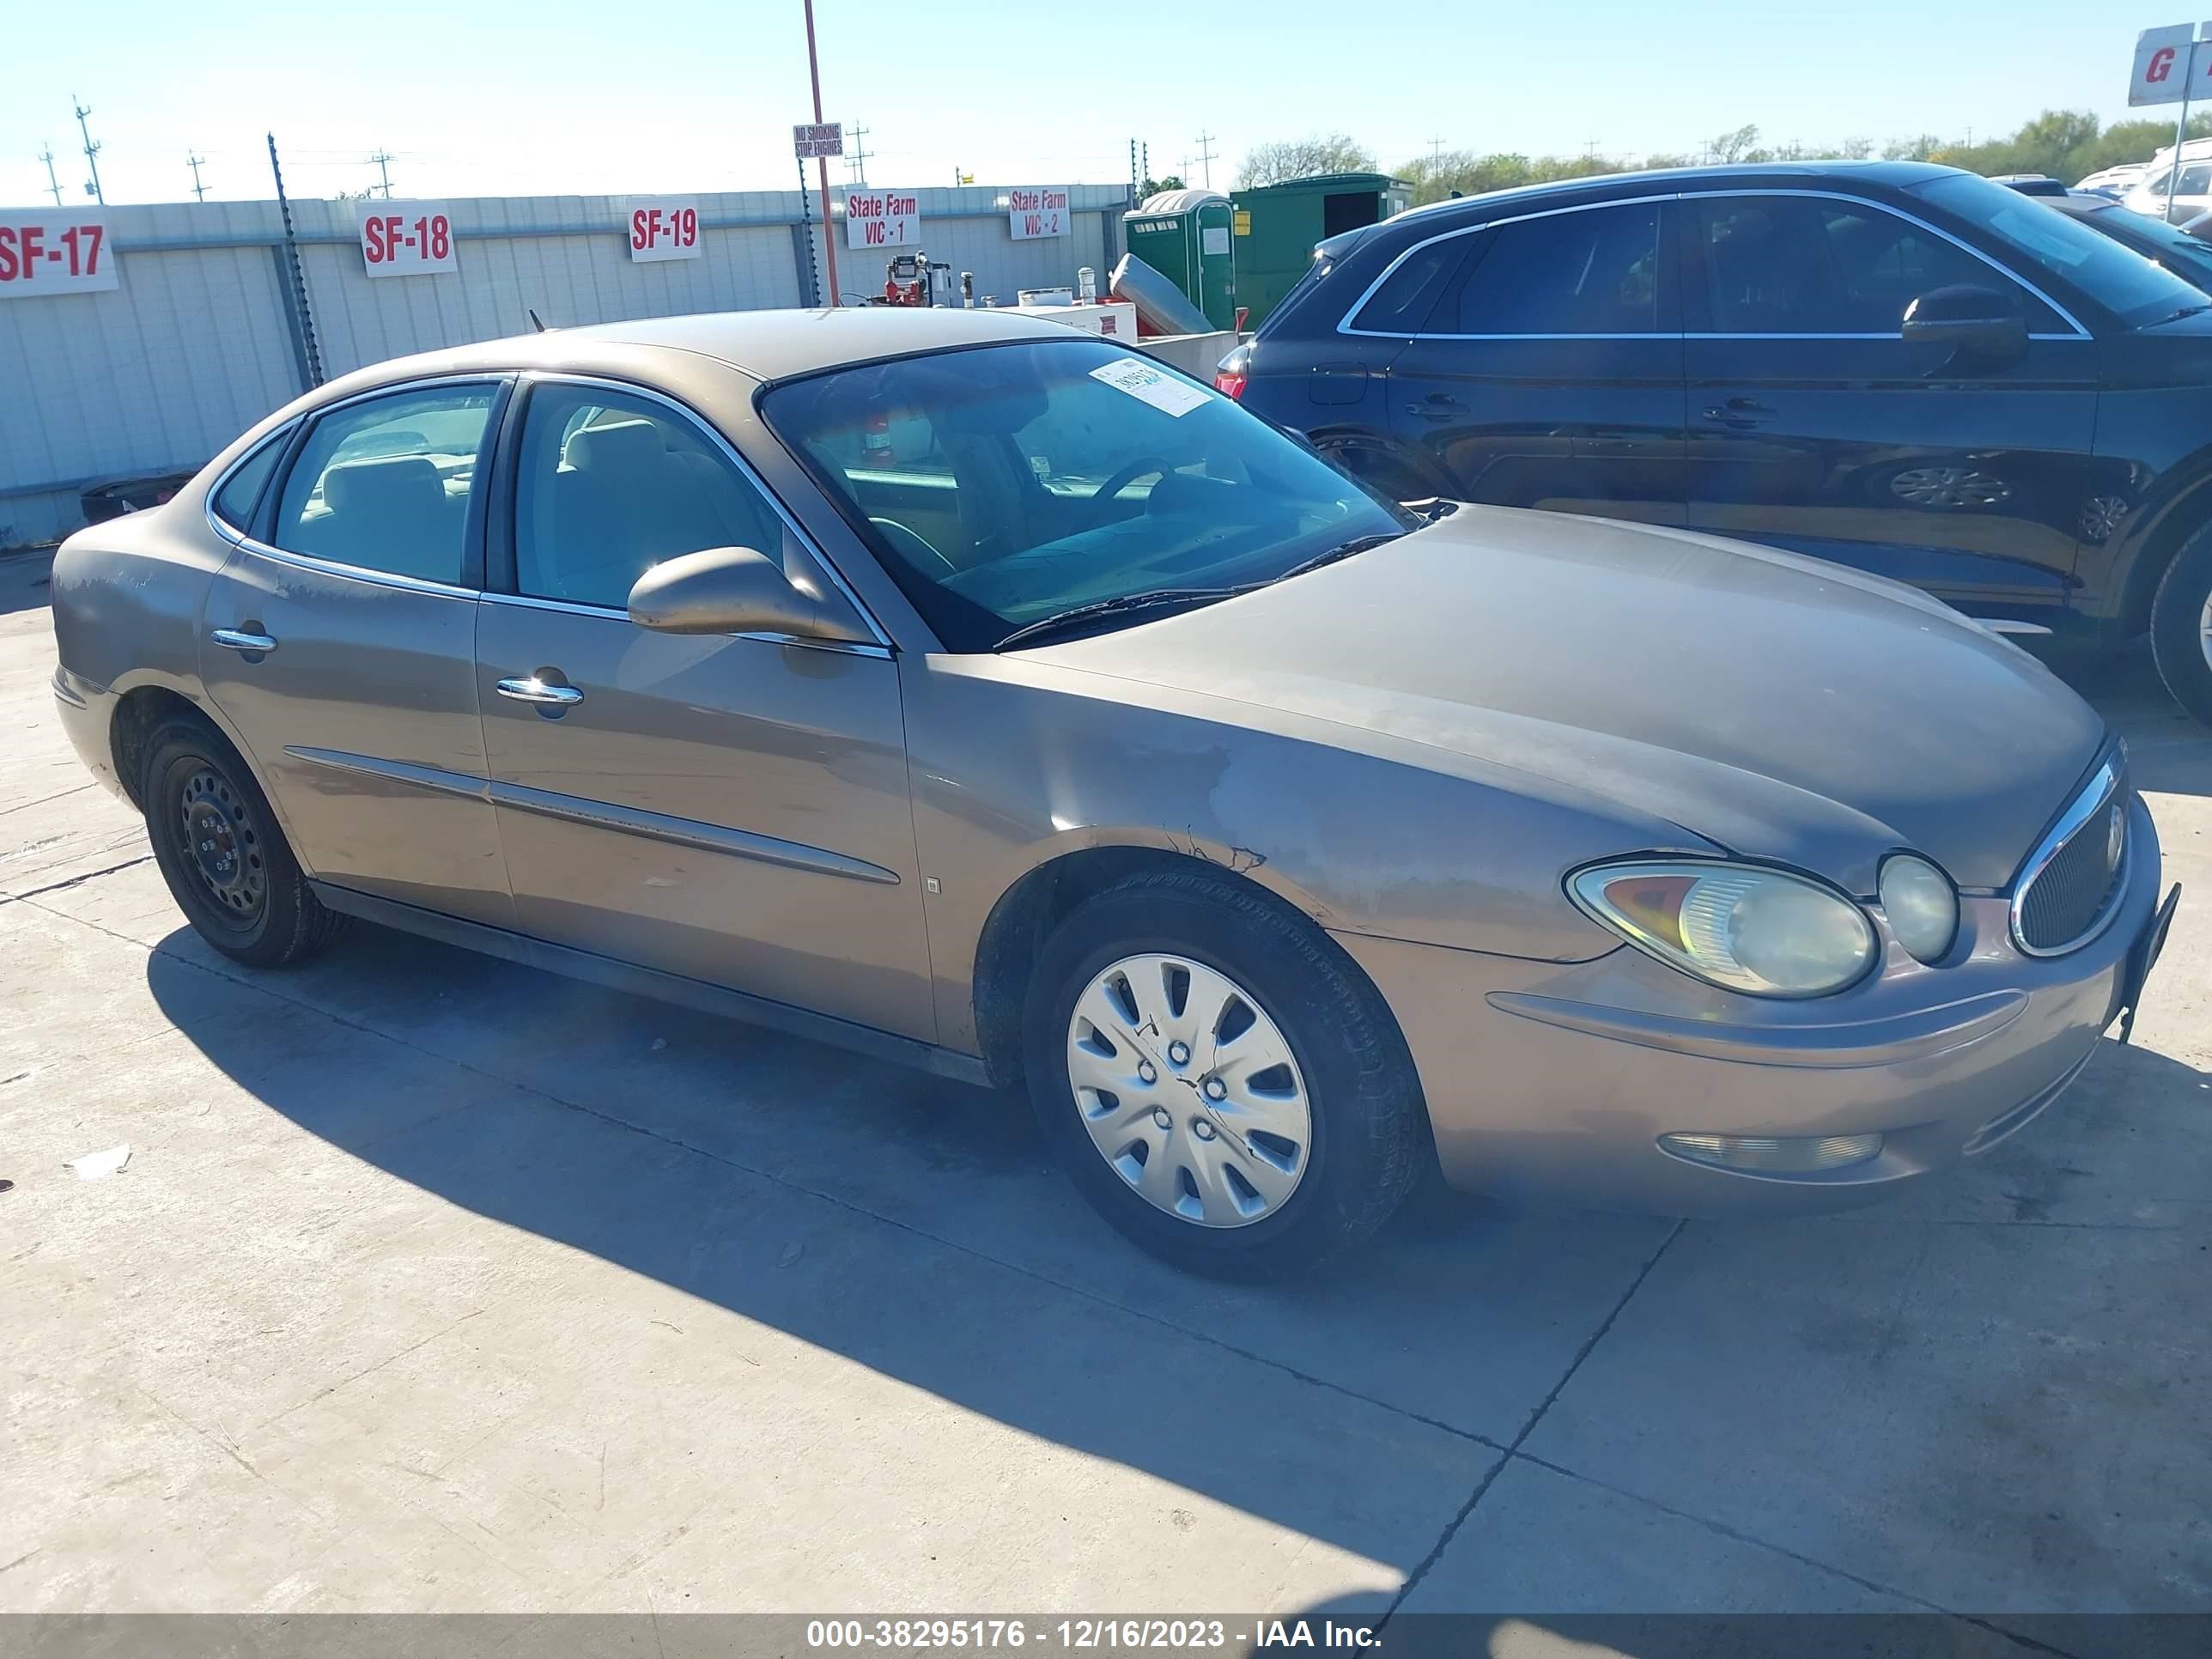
x=1234 y=371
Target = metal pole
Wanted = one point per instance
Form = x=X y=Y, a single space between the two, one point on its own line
x=195 y=161
x=806 y=220
x=299 y=274
x=91 y=149
x=2180 y=134
x=822 y=163
x=53 y=185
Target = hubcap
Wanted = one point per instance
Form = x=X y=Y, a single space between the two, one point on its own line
x=224 y=847
x=1189 y=1090
x=1948 y=486
x=2204 y=632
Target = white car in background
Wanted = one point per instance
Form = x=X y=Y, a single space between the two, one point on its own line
x=2115 y=182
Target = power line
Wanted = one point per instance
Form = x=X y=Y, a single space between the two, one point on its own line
x=195 y=161
x=53 y=185
x=91 y=151
x=1205 y=156
x=856 y=158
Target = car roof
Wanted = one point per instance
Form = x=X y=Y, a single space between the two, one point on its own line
x=765 y=345
x=1895 y=175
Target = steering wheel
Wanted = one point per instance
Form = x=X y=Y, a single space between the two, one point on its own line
x=1127 y=476
x=907 y=543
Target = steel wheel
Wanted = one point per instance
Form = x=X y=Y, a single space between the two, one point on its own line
x=223 y=845
x=1190 y=1091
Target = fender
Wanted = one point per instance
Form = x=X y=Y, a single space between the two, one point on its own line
x=2178 y=501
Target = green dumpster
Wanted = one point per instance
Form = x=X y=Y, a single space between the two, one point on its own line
x=1277 y=225
x=1184 y=235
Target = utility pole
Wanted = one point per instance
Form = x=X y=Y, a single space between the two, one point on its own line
x=856 y=156
x=53 y=185
x=91 y=151
x=1436 y=151
x=195 y=161
x=382 y=162
x=822 y=162
x=1205 y=156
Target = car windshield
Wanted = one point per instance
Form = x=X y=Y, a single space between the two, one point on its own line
x=2121 y=280
x=1009 y=484
x=2176 y=249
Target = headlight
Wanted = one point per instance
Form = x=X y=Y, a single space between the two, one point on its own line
x=1737 y=925
x=1922 y=906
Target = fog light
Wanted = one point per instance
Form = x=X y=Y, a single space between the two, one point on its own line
x=1774 y=1154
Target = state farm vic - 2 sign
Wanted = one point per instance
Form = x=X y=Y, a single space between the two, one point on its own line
x=54 y=251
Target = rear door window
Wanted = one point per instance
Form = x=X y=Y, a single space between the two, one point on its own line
x=386 y=483
x=1588 y=271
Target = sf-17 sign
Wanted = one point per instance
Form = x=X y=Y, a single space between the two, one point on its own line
x=882 y=218
x=1037 y=211
x=54 y=251
x=2162 y=74
x=406 y=238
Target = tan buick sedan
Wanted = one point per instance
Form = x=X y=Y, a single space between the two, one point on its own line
x=967 y=691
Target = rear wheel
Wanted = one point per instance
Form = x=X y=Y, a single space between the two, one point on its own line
x=2181 y=625
x=221 y=853
x=1217 y=1079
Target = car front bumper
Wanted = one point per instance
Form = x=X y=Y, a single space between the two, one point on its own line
x=1556 y=1081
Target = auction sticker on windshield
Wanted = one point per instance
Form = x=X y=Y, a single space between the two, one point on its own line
x=1149 y=385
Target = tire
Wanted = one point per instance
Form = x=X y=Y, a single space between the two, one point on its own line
x=1365 y=1129
x=224 y=857
x=2179 y=620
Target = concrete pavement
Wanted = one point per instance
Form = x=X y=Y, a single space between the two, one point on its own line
x=438 y=1285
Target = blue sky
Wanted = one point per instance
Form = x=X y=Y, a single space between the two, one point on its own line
x=677 y=95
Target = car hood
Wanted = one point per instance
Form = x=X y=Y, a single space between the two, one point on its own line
x=1779 y=707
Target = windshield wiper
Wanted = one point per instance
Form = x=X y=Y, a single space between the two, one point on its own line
x=1151 y=599
x=1341 y=551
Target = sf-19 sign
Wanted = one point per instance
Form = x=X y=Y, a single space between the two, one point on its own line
x=2162 y=73
x=1037 y=210
x=406 y=238
x=882 y=218
x=664 y=230
x=53 y=252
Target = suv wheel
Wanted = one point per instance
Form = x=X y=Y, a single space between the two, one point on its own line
x=2181 y=625
x=1216 y=1078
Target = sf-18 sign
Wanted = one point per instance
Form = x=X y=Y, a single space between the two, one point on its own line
x=54 y=251
x=664 y=230
x=882 y=218
x=406 y=238
x=1037 y=210
x=2162 y=74
x=808 y=141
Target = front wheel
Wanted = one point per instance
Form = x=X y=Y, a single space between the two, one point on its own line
x=223 y=854
x=1217 y=1079
x=2181 y=626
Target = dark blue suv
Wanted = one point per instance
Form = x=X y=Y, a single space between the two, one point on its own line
x=1898 y=366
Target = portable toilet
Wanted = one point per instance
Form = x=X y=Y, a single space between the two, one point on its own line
x=1184 y=235
x=1277 y=226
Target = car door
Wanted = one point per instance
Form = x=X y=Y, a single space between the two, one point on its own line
x=1549 y=372
x=732 y=808
x=1816 y=427
x=338 y=641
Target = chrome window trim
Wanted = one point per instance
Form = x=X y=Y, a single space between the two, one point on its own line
x=608 y=612
x=280 y=434
x=2093 y=797
x=239 y=538
x=812 y=548
x=1344 y=325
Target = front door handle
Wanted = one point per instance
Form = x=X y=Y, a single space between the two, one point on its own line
x=238 y=638
x=528 y=688
x=1740 y=413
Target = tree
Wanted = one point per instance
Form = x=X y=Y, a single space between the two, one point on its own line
x=1856 y=149
x=1736 y=146
x=1302 y=158
x=1152 y=187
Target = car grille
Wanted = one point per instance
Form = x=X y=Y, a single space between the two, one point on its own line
x=2067 y=886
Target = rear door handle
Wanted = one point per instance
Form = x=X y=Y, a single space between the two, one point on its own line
x=236 y=639
x=1740 y=412
x=528 y=688
x=1437 y=406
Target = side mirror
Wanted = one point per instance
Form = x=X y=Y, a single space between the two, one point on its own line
x=727 y=590
x=1980 y=322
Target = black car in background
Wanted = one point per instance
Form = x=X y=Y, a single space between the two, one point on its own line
x=2179 y=249
x=1898 y=366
